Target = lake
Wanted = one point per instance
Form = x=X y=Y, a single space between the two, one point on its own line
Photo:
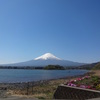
x=21 y=75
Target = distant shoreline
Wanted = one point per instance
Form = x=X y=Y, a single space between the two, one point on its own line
x=42 y=68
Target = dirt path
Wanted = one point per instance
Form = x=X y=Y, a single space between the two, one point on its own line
x=97 y=72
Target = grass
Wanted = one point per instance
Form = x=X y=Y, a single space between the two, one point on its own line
x=42 y=91
x=46 y=91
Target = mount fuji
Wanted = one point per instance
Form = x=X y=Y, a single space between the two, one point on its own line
x=47 y=56
x=44 y=60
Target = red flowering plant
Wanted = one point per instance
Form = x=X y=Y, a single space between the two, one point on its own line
x=87 y=82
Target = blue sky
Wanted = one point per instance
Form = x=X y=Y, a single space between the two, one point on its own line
x=70 y=29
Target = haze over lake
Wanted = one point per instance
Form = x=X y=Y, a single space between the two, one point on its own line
x=12 y=75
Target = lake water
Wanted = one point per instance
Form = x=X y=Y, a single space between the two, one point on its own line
x=16 y=75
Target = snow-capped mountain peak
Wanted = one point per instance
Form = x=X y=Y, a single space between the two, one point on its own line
x=47 y=56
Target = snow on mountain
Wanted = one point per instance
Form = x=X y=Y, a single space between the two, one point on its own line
x=47 y=56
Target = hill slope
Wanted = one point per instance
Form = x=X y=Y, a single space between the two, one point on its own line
x=97 y=66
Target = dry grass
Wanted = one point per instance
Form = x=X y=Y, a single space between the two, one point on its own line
x=96 y=72
x=42 y=91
